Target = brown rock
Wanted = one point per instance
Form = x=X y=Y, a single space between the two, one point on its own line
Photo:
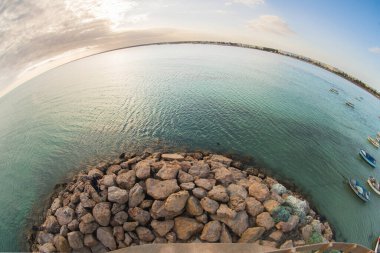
x=218 y=193
x=265 y=220
x=47 y=248
x=95 y=173
x=109 y=180
x=184 y=177
x=90 y=240
x=61 y=244
x=204 y=183
x=169 y=171
x=57 y=203
x=86 y=201
x=221 y=159
x=251 y=235
x=128 y=239
x=80 y=211
x=105 y=236
x=113 y=169
x=276 y=236
x=145 y=234
x=225 y=236
x=64 y=215
x=44 y=237
x=289 y=225
x=75 y=239
x=253 y=206
x=193 y=206
x=187 y=186
x=139 y=215
x=199 y=193
x=259 y=191
x=142 y=170
x=87 y=218
x=118 y=195
x=102 y=213
x=200 y=170
x=51 y=225
x=120 y=218
x=136 y=195
x=162 y=227
x=126 y=180
x=202 y=218
x=171 y=237
x=237 y=225
x=237 y=203
x=223 y=176
x=209 y=205
x=211 y=231
x=73 y=225
x=270 y=205
x=88 y=228
x=237 y=190
x=287 y=244
x=186 y=227
x=225 y=212
x=176 y=202
x=146 y=203
x=171 y=157
x=118 y=233
x=161 y=189
x=130 y=226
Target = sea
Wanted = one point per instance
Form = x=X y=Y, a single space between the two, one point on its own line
x=274 y=111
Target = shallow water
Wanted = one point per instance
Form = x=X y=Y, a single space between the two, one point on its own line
x=223 y=99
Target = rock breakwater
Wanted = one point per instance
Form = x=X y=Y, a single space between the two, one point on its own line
x=168 y=198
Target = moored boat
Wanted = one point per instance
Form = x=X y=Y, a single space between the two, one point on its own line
x=373 y=141
x=350 y=104
x=368 y=158
x=377 y=248
x=374 y=184
x=334 y=91
x=359 y=190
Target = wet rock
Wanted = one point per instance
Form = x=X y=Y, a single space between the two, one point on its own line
x=184 y=177
x=258 y=191
x=161 y=189
x=193 y=206
x=64 y=215
x=168 y=171
x=209 y=205
x=105 y=236
x=139 y=215
x=251 y=235
x=162 y=227
x=186 y=227
x=206 y=184
x=51 y=225
x=118 y=195
x=75 y=239
x=171 y=157
x=265 y=220
x=145 y=234
x=102 y=213
x=211 y=231
x=126 y=180
x=136 y=196
x=278 y=188
x=176 y=202
x=199 y=192
x=44 y=237
x=218 y=193
x=61 y=244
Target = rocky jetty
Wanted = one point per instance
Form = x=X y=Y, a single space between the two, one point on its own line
x=168 y=198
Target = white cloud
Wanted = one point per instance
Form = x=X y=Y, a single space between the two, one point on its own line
x=137 y=18
x=270 y=24
x=375 y=50
x=246 y=2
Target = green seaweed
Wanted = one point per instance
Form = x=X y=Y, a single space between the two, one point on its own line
x=281 y=213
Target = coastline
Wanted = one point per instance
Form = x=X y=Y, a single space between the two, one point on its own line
x=303 y=219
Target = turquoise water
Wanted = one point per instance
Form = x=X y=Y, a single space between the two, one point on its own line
x=253 y=103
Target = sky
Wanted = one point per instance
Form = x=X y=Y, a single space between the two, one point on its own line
x=38 y=35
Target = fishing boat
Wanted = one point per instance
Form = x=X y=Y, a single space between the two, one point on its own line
x=368 y=158
x=377 y=248
x=374 y=184
x=373 y=141
x=334 y=91
x=359 y=190
x=350 y=104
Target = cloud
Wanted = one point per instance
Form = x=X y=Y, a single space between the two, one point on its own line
x=375 y=50
x=246 y=2
x=270 y=24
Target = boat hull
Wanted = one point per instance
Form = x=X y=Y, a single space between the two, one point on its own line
x=366 y=159
x=356 y=193
x=373 y=188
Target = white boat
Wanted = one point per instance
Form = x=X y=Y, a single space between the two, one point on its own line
x=377 y=249
x=374 y=184
x=373 y=141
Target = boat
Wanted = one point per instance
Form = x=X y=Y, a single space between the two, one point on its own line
x=359 y=190
x=334 y=91
x=368 y=158
x=377 y=248
x=373 y=141
x=378 y=133
x=374 y=184
x=350 y=104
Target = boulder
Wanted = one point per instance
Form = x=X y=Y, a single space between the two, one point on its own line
x=211 y=231
x=223 y=176
x=218 y=193
x=278 y=188
x=259 y=191
x=142 y=170
x=95 y=173
x=281 y=213
x=287 y=244
x=209 y=205
x=237 y=203
x=145 y=234
x=169 y=171
x=120 y=218
x=61 y=244
x=202 y=218
x=193 y=206
x=289 y=225
x=225 y=236
x=64 y=215
x=171 y=157
x=237 y=190
x=276 y=236
x=102 y=213
x=199 y=192
x=44 y=237
x=270 y=205
x=225 y=212
x=73 y=225
x=47 y=248
x=204 y=183
x=162 y=227
x=116 y=207
x=87 y=218
x=75 y=239
x=139 y=215
x=87 y=228
x=136 y=196
x=51 y=225
x=146 y=203
x=161 y=189
x=300 y=207
x=265 y=220
x=57 y=203
x=237 y=225
x=130 y=226
x=251 y=235
x=105 y=236
x=176 y=202
x=184 y=177
x=113 y=169
x=185 y=227
x=221 y=159
x=126 y=180
x=109 y=180
x=86 y=201
x=187 y=186
x=90 y=240
x=200 y=170
x=118 y=195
